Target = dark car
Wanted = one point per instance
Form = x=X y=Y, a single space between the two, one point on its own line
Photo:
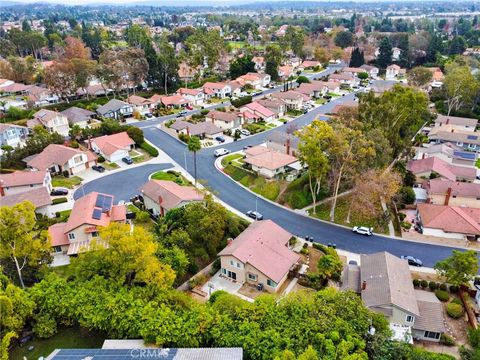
x=127 y=160
x=59 y=192
x=148 y=115
x=220 y=139
x=412 y=261
x=254 y=215
x=98 y=168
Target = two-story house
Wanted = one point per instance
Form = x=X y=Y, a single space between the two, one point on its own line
x=13 y=135
x=115 y=109
x=293 y=100
x=51 y=120
x=193 y=96
x=140 y=104
x=217 y=89
x=259 y=111
x=21 y=181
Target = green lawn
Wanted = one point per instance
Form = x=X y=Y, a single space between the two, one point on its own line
x=171 y=176
x=60 y=181
x=110 y=166
x=320 y=101
x=67 y=338
x=477 y=164
x=64 y=215
x=341 y=211
x=234 y=158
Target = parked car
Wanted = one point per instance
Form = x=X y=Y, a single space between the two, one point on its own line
x=181 y=113
x=148 y=115
x=254 y=215
x=221 y=152
x=246 y=147
x=189 y=107
x=98 y=168
x=220 y=139
x=363 y=230
x=245 y=132
x=127 y=160
x=412 y=260
x=59 y=191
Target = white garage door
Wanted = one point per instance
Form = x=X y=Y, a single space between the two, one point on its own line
x=118 y=155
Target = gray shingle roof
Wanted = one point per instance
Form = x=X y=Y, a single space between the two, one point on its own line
x=431 y=312
x=112 y=106
x=76 y=114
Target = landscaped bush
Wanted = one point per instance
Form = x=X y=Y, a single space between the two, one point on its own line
x=204 y=112
x=416 y=282
x=432 y=285
x=74 y=144
x=100 y=159
x=241 y=101
x=405 y=225
x=142 y=216
x=407 y=195
x=149 y=149
x=402 y=216
x=184 y=137
x=442 y=295
x=305 y=245
x=59 y=200
x=443 y=287
x=424 y=284
x=447 y=340
x=65 y=173
x=304 y=251
x=292 y=241
x=454 y=310
x=453 y=289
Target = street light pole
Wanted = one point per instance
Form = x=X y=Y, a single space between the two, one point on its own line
x=185 y=159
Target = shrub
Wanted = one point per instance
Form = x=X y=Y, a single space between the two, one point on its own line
x=74 y=144
x=142 y=216
x=443 y=287
x=474 y=337
x=432 y=285
x=242 y=101
x=442 y=295
x=402 y=216
x=305 y=245
x=407 y=195
x=59 y=200
x=216 y=266
x=455 y=311
x=304 y=251
x=184 y=137
x=100 y=159
x=447 y=340
x=204 y=112
x=149 y=149
x=453 y=289
x=416 y=282
x=65 y=173
x=424 y=284
x=292 y=241
x=405 y=225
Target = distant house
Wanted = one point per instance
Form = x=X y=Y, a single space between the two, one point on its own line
x=313 y=90
x=255 y=80
x=293 y=100
x=283 y=142
x=274 y=105
x=385 y=285
x=460 y=123
x=285 y=71
x=270 y=163
x=448 y=152
x=89 y=214
x=259 y=62
x=13 y=135
x=310 y=64
x=78 y=116
x=259 y=110
x=217 y=89
x=112 y=147
x=453 y=193
x=174 y=101
x=59 y=158
x=140 y=104
x=259 y=255
x=51 y=120
x=38 y=196
x=372 y=71
x=224 y=120
x=193 y=96
x=205 y=129
x=466 y=139
x=115 y=109
x=38 y=96
x=21 y=181
x=161 y=196
x=393 y=72
x=344 y=78
x=447 y=221
x=424 y=168
x=396 y=52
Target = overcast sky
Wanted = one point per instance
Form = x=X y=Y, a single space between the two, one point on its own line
x=159 y=2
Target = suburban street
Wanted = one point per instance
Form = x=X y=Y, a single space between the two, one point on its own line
x=124 y=184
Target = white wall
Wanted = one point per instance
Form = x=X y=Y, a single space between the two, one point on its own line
x=441 y=233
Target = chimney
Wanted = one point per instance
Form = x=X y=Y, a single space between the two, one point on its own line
x=2 y=190
x=424 y=156
x=364 y=285
x=447 y=196
x=288 y=146
x=448 y=120
x=229 y=241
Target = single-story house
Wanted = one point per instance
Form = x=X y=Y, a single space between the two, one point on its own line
x=269 y=163
x=310 y=64
x=453 y=193
x=51 y=120
x=193 y=96
x=38 y=96
x=174 y=101
x=423 y=169
x=224 y=120
x=78 y=116
x=160 y=196
x=38 y=196
x=205 y=129
x=344 y=78
x=89 y=213
x=283 y=142
x=140 y=104
x=285 y=71
x=13 y=135
x=259 y=255
x=372 y=71
x=21 y=181
x=115 y=109
x=460 y=123
x=466 y=139
x=112 y=147
x=259 y=110
x=58 y=158
x=447 y=221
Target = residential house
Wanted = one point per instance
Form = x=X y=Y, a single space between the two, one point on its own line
x=344 y=79
x=112 y=147
x=437 y=77
x=270 y=163
x=51 y=120
x=433 y=166
x=174 y=101
x=259 y=62
x=274 y=105
x=448 y=152
x=224 y=120
x=236 y=87
x=39 y=96
x=15 y=89
x=293 y=100
x=372 y=71
x=453 y=222
x=285 y=71
x=255 y=80
x=217 y=89
x=186 y=72
x=259 y=255
x=94 y=90
x=193 y=96
x=466 y=139
x=259 y=110
x=140 y=104
x=59 y=158
x=310 y=64
x=115 y=109
x=385 y=285
x=13 y=135
x=283 y=142
x=78 y=116
x=396 y=52
x=394 y=72
x=313 y=90
x=353 y=70
x=460 y=123
x=205 y=129
x=38 y=196
x=21 y=181
x=90 y=213
x=160 y=196
x=453 y=193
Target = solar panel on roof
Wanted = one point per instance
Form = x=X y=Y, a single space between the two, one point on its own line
x=97 y=214
x=465 y=155
x=104 y=202
x=472 y=137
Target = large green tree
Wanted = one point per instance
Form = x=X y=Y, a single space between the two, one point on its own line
x=384 y=57
x=241 y=66
x=460 y=86
x=273 y=59
x=459 y=268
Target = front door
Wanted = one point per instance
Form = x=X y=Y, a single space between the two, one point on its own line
x=232 y=275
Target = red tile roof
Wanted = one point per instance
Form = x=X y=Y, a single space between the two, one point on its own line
x=108 y=144
x=448 y=171
x=138 y=100
x=174 y=100
x=169 y=194
x=463 y=189
x=270 y=159
x=57 y=234
x=451 y=219
x=56 y=154
x=259 y=109
x=22 y=178
x=263 y=246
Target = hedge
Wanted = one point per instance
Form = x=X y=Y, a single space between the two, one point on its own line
x=454 y=310
x=447 y=340
x=424 y=284
x=416 y=282
x=149 y=149
x=432 y=285
x=241 y=101
x=59 y=200
x=442 y=295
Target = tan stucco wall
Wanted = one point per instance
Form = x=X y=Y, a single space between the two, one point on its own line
x=470 y=202
x=225 y=263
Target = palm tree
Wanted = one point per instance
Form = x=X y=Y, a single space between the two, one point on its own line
x=194 y=145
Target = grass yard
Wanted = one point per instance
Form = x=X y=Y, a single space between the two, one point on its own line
x=67 y=338
x=320 y=101
x=477 y=164
x=297 y=194
x=147 y=223
x=171 y=176
x=110 y=165
x=233 y=158
x=70 y=183
x=64 y=215
x=341 y=211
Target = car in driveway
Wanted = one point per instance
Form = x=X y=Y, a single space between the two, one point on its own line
x=59 y=191
x=220 y=139
x=221 y=152
x=412 y=260
x=98 y=168
x=245 y=132
x=254 y=215
x=363 y=230
x=181 y=113
x=127 y=160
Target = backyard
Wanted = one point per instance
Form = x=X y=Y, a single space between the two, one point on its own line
x=70 y=182
x=171 y=175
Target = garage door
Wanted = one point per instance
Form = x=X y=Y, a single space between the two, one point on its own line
x=118 y=155
x=78 y=168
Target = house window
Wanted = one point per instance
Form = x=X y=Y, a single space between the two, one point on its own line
x=71 y=236
x=224 y=271
x=459 y=143
x=235 y=264
x=95 y=234
x=409 y=319
x=252 y=277
x=271 y=283
x=77 y=159
x=57 y=249
x=431 y=335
